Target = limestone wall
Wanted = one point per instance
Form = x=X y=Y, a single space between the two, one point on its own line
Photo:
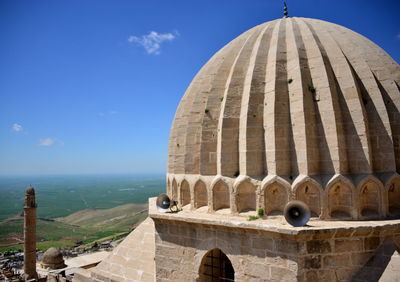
x=329 y=197
x=362 y=254
x=132 y=260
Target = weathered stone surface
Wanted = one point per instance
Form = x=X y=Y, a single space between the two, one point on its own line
x=294 y=108
x=318 y=246
x=133 y=259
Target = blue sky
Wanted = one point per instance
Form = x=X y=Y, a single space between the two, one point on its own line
x=92 y=86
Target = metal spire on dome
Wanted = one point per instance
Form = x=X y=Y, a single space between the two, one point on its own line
x=285 y=10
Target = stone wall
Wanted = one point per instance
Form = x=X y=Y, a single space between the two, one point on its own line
x=338 y=197
x=132 y=260
x=339 y=254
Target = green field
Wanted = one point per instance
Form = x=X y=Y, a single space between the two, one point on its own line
x=86 y=225
x=59 y=196
x=75 y=208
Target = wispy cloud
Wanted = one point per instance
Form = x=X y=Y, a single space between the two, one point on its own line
x=108 y=113
x=17 y=127
x=49 y=142
x=398 y=36
x=152 y=42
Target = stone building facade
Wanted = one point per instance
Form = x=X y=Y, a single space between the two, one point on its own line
x=294 y=108
x=261 y=253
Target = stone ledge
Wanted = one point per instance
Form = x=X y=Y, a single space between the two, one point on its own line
x=276 y=224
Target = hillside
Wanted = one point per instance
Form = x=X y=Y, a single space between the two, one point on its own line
x=118 y=217
x=85 y=225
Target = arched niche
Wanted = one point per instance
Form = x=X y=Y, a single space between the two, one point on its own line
x=221 y=199
x=174 y=190
x=340 y=201
x=246 y=197
x=310 y=194
x=216 y=266
x=275 y=198
x=185 y=193
x=200 y=194
x=394 y=198
x=369 y=200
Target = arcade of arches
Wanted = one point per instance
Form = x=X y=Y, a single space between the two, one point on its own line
x=336 y=201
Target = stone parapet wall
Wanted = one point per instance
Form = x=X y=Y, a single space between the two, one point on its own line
x=361 y=254
x=339 y=197
x=180 y=248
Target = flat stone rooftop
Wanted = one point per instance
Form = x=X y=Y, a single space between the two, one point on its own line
x=275 y=224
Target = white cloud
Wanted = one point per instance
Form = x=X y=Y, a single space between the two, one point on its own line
x=17 y=127
x=109 y=113
x=398 y=36
x=48 y=142
x=152 y=41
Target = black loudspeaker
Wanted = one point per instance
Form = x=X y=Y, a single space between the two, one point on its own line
x=165 y=204
x=297 y=213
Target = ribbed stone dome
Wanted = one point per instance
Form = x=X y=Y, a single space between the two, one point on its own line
x=299 y=104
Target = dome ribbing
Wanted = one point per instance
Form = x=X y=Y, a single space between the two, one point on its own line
x=291 y=98
x=241 y=114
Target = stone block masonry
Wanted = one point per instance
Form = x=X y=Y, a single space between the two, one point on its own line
x=267 y=250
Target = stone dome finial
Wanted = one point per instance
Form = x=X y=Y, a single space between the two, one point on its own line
x=53 y=259
x=285 y=10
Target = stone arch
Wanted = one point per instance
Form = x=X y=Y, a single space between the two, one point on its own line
x=275 y=198
x=200 y=194
x=394 y=198
x=310 y=193
x=168 y=187
x=221 y=196
x=174 y=192
x=216 y=266
x=185 y=193
x=340 y=200
x=246 y=199
x=370 y=198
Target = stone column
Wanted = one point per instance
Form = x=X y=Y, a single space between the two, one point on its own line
x=30 y=235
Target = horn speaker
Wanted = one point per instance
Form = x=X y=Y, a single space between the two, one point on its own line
x=297 y=213
x=165 y=204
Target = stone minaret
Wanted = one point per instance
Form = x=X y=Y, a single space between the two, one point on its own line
x=30 y=234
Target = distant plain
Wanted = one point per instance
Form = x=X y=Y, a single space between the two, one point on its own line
x=75 y=207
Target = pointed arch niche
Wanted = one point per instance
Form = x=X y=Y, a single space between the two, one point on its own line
x=216 y=266
x=246 y=197
x=275 y=199
x=394 y=198
x=340 y=201
x=310 y=194
x=370 y=200
x=174 y=190
x=221 y=198
x=168 y=187
x=200 y=194
x=185 y=193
